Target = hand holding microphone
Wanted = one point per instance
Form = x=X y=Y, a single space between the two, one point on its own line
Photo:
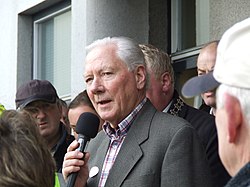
x=87 y=128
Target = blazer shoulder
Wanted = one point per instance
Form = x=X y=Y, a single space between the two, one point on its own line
x=168 y=122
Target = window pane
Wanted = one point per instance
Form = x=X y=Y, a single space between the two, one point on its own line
x=53 y=61
x=47 y=50
x=190 y=24
x=62 y=57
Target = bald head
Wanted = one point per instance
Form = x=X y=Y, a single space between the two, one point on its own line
x=207 y=57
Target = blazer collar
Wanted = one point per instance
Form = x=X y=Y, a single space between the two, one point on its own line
x=131 y=149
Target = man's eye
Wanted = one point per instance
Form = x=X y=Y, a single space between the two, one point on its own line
x=88 y=80
x=107 y=73
x=31 y=110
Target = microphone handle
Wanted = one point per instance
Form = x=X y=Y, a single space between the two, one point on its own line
x=72 y=177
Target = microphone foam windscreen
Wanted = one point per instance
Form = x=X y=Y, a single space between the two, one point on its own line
x=87 y=124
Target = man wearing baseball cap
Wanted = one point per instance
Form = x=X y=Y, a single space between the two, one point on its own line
x=232 y=72
x=40 y=99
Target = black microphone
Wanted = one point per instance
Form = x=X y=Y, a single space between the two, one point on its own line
x=86 y=128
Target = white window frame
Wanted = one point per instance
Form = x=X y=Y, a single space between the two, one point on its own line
x=36 y=41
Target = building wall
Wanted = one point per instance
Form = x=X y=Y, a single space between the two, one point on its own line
x=225 y=13
x=8 y=48
x=143 y=20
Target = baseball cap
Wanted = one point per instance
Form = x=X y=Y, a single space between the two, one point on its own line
x=233 y=56
x=35 y=90
x=199 y=84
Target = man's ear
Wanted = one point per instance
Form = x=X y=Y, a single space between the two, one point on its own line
x=234 y=116
x=140 y=76
x=166 y=81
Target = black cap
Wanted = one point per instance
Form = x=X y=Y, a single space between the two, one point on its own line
x=199 y=84
x=35 y=90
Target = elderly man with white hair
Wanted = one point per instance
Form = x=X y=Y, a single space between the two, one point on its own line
x=232 y=70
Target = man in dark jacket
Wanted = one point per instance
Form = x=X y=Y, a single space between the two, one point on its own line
x=165 y=98
x=39 y=98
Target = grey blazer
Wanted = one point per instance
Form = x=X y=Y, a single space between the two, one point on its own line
x=159 y=150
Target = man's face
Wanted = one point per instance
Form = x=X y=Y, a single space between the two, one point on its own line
x=205 y=64
x=154 y=91
x=159 y=90
x=113 y=90
x=47 y=117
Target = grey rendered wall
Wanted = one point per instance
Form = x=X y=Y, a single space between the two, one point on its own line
x=225 y=13
x=95 y=19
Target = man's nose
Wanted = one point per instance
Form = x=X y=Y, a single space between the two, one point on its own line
x=96 y=86
x=40 y=113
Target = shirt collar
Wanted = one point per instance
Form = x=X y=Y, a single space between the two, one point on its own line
x=124 y=125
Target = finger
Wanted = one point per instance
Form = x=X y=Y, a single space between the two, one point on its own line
x=74 y=145
x=73 y=155
x=71 y=165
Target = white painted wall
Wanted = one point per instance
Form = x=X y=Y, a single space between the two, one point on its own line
x=8 y=26
x=9 y=10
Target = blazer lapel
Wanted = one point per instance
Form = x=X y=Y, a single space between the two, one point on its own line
x=130 y=152
x=128 y=156
x=99 y=159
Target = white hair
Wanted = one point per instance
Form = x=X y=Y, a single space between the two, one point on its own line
x=242 y=94
x=127 y=50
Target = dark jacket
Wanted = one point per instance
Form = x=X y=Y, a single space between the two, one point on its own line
x=242 y=178
x=60 y=148
x=205 y=108
x=204 y=124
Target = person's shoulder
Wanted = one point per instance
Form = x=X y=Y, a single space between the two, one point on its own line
x=205 y=108
x=169 y=120
x=203 y=122
x=199 y=114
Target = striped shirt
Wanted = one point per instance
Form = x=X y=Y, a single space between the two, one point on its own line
x=116 y=139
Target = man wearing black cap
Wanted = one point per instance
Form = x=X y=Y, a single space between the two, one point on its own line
x=39 y=98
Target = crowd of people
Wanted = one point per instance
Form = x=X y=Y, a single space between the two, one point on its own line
x=148 y=135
